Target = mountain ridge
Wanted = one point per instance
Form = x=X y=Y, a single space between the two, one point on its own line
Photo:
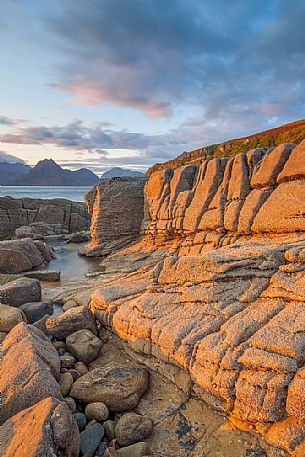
x=48 y=173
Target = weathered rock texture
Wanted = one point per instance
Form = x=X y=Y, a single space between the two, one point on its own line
x=59 y=214
x=46 y=429
x=116 y=206
x=226 y=303
x=34 y=419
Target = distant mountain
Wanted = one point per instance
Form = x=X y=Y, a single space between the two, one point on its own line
x=293 y=132
x=49 y=173
x=119 y=172
x=10 y=172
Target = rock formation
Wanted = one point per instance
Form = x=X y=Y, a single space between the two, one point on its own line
x=116 y=206
x=226 y=305
x=44 y=216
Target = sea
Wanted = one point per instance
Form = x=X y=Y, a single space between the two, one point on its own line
x=75 y=194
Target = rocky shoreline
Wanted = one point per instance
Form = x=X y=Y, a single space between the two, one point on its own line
x=200 y=309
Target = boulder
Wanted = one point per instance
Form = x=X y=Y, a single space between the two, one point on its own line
x=17 y=256
x=36 y=311
x=24 y=232
x=20 y=291
x=29 y=369
x=132 y=428
x=9 y=317
x=45 y=429
x=119 y=388
x=71 y=321
x=84 y=345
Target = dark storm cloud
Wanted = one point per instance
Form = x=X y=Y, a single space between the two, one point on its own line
x=156 y=55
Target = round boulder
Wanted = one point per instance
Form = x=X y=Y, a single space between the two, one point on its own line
x=9 y=317
x=132 y=428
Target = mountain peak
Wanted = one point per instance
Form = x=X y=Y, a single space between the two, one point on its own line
x=48 y=173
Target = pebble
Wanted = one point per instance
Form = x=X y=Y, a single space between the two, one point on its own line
x=81 y=420
x=97 y=411
x=59 y=345
x=109 y=427
x=65 y=383
x=61 y=351
x=101 y=449
x=67 y=361
x=71 y=404
x=90 y=439
x=75 y=374
x=81 y=368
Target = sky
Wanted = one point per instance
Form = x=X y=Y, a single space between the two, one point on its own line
x=103 y=83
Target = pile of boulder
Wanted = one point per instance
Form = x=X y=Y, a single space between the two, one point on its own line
x=56 y=401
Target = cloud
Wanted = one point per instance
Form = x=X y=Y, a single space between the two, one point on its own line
x=4 y=120
x=5 y=157
x=158 y=56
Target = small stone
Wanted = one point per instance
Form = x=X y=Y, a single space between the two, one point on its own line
x=67 y=361
x=132 y=428
x=97 y=411
x=109 y=427
x=81 y=368
x=101 y=449
x=71 y=404
x=84 y=345
x=61 y=351
x=65 y=383
x=90 y=439
x=81 y=420
x=135 y=450
x=59 y=345
x=75 y=374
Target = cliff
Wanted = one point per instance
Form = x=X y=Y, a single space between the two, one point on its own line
x=221 y=297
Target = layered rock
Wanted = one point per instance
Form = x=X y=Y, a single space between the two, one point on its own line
x=116 y=206
x=44 y=216
x=258 y=192
x=226 y=303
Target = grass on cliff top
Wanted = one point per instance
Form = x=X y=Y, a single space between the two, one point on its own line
x=288 y=133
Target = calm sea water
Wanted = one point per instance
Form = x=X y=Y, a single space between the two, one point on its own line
x=75 y=194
